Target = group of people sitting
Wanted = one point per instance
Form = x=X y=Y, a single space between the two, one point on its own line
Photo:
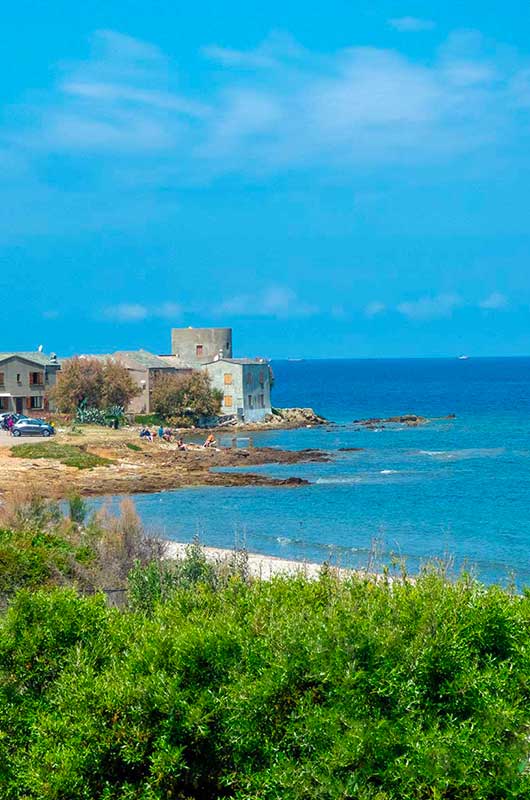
x=167 y=435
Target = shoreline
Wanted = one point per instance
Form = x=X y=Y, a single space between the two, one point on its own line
x=260 y=566
x=125 y=465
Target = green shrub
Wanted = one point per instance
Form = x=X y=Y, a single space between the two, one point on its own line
x=150 y=420
x=77 y=509
x=282 y=689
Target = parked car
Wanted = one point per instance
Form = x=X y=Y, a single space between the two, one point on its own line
x=32 y=427
x=5 y=414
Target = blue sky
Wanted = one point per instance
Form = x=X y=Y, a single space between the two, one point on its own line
x=340 y=179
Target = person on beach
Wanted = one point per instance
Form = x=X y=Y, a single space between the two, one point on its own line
x=167 y=435
x=145 y=433
x=210 y=441
x=161 y=432
x=180 y=444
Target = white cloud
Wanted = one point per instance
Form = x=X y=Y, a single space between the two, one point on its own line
x=411 y=24
x=279 y=107
x=425 y=308
x=495 y=301
x=168 y=311
x=136 y=312
x=126 y=312
x=275 y=301
x=374 y=308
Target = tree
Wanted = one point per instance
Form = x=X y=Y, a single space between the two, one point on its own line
x=184 y=399
x=119 y=388
x=94 y=383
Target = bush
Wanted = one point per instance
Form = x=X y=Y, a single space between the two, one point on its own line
x=149 y=420
x=185 y=400
x=288 y=688
x=93 y=383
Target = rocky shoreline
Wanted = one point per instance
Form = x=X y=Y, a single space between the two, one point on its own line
x=281 y=418
x=408 y=420
x=135 y=467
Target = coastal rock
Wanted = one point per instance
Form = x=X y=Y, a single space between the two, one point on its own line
x=409 y=420
x=295 y=417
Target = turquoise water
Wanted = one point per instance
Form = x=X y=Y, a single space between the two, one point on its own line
x=455 y=489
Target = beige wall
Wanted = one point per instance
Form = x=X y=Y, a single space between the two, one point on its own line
x=28 y=383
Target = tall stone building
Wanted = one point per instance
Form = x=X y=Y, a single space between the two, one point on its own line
x=198 y=346
x=244 y=382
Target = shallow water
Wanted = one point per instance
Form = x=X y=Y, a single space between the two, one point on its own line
x=455 y=489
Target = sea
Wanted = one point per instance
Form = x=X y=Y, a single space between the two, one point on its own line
x=454 y=492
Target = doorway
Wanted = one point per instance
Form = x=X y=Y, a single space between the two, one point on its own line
x=19 y=405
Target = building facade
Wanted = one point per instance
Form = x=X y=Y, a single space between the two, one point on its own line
x=245 y=384
x=145 y=368
x=26 y=380
x=199 y=346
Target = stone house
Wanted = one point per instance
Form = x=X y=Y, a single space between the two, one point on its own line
x=144 y=368
x=245 y=384
x=25 y=381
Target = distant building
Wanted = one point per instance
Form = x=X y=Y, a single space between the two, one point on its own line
x=245 y=384
x=25 y=381
x=144 y=368
x=199 y=346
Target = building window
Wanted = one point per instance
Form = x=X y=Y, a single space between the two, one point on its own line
x=198 y=350
x=250 y=401
x=18 y=377
x=228 y=378
x=249 y=378
x=4 y=403
x=36 y=379
x=2 y=378
x=262 y=401
x=227 y=401
x=228 y=347
x=261 y=377
x=36 y=402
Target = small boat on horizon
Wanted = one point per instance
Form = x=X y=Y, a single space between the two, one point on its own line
x=463 y=358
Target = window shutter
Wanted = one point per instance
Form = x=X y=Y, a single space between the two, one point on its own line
x=28 y=402
x=31 y=378
x=46 y=404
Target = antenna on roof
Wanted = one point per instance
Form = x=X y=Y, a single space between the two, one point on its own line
x=39 y=349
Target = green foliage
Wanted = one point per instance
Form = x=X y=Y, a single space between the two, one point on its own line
x=93 y=383
x=68 y=454
x=77 y=509
x=135 y=447
x=157 y=581
x=88 y=415
x=149 y=420
x=185 y=400
x=282 y=689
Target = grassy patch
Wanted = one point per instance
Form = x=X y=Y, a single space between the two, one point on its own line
x=135 y=447
x=67 y=454
x=149 y=419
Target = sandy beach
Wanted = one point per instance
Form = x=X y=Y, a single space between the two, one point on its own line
x=266 y=567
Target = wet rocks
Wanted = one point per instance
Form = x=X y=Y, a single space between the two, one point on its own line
x=409 y=420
